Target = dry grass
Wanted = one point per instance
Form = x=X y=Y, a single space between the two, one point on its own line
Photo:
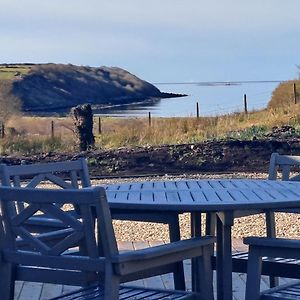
x=284 y=94
x=11 y=71
x=34 y=133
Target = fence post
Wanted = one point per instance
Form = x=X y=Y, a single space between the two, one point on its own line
x=245 y=104
x=2 y=131
x=82 y=116
x=197 y=110
x=99 y=126
x=52 y=129
x=149 y=119
x=295 y=93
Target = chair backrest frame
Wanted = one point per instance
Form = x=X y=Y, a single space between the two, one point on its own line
x=35 y=174
x=100 y=244
x=286 y=164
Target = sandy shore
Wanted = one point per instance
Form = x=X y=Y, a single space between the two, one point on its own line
x=288 y=225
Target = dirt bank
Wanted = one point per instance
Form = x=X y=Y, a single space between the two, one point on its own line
x=210 y=156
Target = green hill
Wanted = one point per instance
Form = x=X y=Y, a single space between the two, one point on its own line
x=51 y=87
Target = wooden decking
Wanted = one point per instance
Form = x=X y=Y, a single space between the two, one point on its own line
x=39 y=291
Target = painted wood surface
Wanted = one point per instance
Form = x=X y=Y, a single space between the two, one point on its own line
x=25 y=291
x=204 y=195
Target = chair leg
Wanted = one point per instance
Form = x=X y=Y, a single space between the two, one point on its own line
x=7 y=282
x=271 y=232
x=204 y=276
x=253 y=274
x=111 y=284
x=178 y=274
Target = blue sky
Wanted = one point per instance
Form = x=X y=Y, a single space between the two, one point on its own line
x=158 y=40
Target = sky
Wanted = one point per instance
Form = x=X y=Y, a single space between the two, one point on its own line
x=158 y=40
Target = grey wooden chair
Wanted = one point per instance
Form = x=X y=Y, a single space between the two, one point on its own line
x=63 y=175
x=36 y=257
x=74 y=175
x=271 y=248
x=280 y=167
x=283 y=164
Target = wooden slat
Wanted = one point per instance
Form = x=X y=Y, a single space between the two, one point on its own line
x=50 y=290
x=34 y=182
x=58 y=181
x=193 y=185
x=44 y=168
x=31 y=291
x=216 y=184
x=158 y=185
x=147 y=185
x=172 y=197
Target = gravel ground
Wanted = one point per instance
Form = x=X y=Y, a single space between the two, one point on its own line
x=288 y=225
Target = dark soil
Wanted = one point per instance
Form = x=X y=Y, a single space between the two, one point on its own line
x=210 y=156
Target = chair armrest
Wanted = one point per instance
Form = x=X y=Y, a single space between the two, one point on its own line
x=272 y=242
x=163 y=250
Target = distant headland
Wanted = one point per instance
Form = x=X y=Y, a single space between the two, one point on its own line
x=58 y=87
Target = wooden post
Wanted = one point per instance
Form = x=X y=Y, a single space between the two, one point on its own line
x=2 y=131
x=245 y=104
x=149 y=119
x=99 y=126
x=295 y=93
x=83 y=120
x=197 y=110
x=52 y=129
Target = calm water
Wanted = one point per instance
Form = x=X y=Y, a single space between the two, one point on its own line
x=213 y=99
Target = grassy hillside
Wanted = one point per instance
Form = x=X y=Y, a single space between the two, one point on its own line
x=50 y=87
x=283 y=95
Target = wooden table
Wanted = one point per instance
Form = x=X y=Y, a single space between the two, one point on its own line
x=228 y=198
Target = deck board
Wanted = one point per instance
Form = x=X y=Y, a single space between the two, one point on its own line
x=38 y=291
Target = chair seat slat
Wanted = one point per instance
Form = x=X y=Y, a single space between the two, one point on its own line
x=244 y=255
x=125 y=293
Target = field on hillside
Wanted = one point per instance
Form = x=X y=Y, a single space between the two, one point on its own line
x=13 y=71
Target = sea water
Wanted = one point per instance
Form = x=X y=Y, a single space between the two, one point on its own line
x=213 y=98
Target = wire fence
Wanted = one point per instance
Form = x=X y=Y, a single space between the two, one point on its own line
x=53 y=127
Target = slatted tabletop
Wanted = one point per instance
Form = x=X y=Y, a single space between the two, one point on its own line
x=204 y=195
x=228 y=197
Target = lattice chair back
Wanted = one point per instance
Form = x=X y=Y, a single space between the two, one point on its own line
x=287 y=165
x=63 y=175
x=53 y=256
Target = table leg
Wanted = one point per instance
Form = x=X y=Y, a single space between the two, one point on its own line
x=224 y=259
x=195 y=232
x=174 y=230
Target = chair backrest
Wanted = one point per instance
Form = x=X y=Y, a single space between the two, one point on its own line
x=33 y=252
x=285 y=164
x=65 y=175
